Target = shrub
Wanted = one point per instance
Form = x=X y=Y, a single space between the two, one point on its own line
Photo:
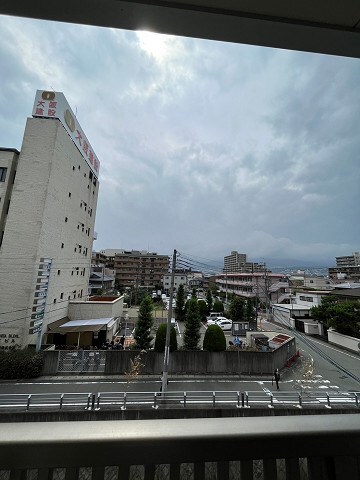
x=20 y=364
x=161 y=338
x=214 y=339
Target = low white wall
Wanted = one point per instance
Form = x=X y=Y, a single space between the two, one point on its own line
x=350 y=343
x=311 y=328
x=85 y=310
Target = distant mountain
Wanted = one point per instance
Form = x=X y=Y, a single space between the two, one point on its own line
x=295 y=263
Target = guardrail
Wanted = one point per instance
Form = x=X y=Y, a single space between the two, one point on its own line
x=177 y=399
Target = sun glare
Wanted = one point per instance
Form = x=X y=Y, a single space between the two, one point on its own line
x=154 y=44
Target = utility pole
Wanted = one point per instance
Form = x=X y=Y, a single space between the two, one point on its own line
x=168 y=328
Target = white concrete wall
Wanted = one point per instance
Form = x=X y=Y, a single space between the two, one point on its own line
x=42 y=217
x=88 y=310
x=311 y=328
x=350 y=343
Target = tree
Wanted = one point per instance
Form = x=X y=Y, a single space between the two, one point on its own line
x=209 y=300
x=218 y=306
x=180 y=304
x=192 y=325
x=143 y=337
x=160 y=339
x=237 y=309
x=249 y=310
x=324 y=312
x=203 y=310
x=344 y=317
x=193 y=293
x=214 y=339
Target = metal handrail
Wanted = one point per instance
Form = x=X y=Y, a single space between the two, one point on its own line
x=178 y=399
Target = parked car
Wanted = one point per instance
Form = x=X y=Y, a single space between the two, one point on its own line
x=213 y=316
x=215 y=320
x=224 y=324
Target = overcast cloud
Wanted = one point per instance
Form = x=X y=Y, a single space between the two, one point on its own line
x=204 y=146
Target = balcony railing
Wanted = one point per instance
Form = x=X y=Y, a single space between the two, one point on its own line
x=316 y=447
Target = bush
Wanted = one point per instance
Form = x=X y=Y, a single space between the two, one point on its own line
x=214 y=339
x=20 y=364
x=161 y=338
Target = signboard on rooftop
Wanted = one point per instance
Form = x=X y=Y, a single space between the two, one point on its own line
x=54 y=105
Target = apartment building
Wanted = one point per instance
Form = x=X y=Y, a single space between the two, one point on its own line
x=49 y=194
x=234 y=262
x=349 y=260
x=140 y=268
x=267 y=287
x=237 y=263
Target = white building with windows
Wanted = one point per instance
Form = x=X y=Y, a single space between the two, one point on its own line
x=49 y=194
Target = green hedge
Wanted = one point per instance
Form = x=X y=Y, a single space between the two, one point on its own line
x=20 y=364
x=214 y=339
x=161 y=337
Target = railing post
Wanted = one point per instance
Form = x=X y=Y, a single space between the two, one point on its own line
x=184 y=399
x=271 y=401
x=238 y=400
x=356 y=399
x=98 y=401
x=214 y=400
x=28 y=402
x=328 y=401
x=155 y=406
x=300 y=401
x=88 y=402
x=124 y=406
x=242 y=399
x=93 y=402
x=247 y=399
x=61 y=400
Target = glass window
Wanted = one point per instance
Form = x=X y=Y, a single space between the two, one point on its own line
x=3 y=171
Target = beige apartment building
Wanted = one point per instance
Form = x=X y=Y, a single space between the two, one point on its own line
x=48 y=194
x=140 y=268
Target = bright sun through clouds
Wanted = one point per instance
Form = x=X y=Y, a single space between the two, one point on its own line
x=155 y=44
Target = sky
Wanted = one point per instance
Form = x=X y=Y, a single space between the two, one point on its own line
x=205 y=147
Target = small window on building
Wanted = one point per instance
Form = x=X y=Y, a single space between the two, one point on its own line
x=75 y=249
x=58 y=272
x=90 y=175
x=72 y=272
x=3 y=171
x=61 y=296
x=84 y=175
x=54 y=301
x=69 y=194
x=73 y=167
x=66 y=219
x=79 y=167
x=62 y=245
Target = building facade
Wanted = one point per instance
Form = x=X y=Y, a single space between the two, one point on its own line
x=349 y=260
x=136 y=268
x=48 y=223
x=267 y=287
x=237 y=263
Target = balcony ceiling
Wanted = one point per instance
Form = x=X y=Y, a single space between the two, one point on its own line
x=322 y=26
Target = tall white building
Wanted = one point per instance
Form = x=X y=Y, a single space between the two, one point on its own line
x=48 y=204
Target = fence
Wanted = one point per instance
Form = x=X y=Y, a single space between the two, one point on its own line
x=81 y=361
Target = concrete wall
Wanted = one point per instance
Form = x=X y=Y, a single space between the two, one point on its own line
x=350 y=343
x=85 y=310
x=191 y=362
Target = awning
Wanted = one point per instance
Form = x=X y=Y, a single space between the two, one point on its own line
x=88 y=325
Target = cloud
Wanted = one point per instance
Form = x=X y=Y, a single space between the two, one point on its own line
x=204 y=146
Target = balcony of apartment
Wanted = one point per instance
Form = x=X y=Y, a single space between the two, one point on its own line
x=313 y=447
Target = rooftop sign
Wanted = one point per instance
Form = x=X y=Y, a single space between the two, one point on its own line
x=54 y=105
